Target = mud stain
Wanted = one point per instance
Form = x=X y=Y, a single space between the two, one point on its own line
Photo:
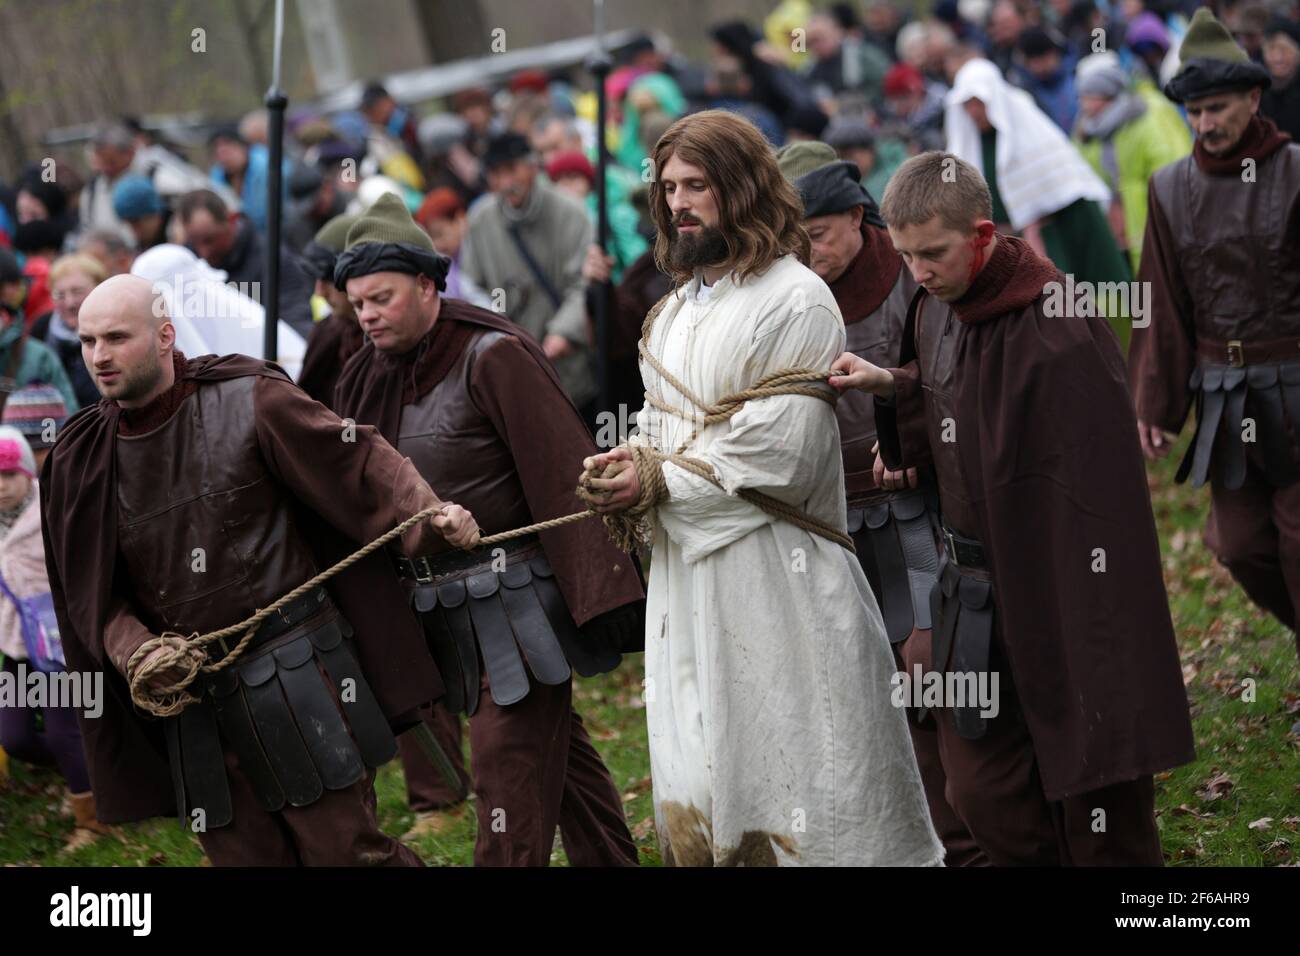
x=758 y=848
x=687 y=836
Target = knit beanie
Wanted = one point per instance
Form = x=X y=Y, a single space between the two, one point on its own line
x=803 y=157
x=15 y=453
x=1211 y=62
x=388 y=220
x=34 y=409
x=320 y=255
x=386 y=239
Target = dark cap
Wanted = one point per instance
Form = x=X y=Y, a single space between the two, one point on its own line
x=372 y=94
x=228 y=133
x=1035 y=41
x=504 y=148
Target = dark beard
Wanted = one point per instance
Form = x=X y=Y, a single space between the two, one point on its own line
x=706 y=247
x=139 y=383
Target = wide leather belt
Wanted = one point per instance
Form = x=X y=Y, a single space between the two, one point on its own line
x=964 y=552
x=453 y=564
x=1238 y=354
x=281 y=620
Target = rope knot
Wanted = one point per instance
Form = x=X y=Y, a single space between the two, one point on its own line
x=176 y=660
x=630 y=527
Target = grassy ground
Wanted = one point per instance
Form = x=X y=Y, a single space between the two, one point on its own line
x=1237 y=804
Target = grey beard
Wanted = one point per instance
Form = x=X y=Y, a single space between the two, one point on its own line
x=708 y=247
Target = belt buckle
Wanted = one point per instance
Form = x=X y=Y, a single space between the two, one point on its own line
x=951 y=544
x=1236 y=354
x=422 y=563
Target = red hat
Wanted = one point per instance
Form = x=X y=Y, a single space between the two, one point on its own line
x=532 y=81
x=441 y=203
x=903 y=79
x=570 y=163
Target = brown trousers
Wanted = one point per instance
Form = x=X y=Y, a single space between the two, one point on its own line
x=993 y=788
x=339 y=829
x=426 y=790
x=1255 y=532
x=534 y=769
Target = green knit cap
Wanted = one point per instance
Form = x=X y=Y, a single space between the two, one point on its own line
x=388 y=220
x=334 y=234
x=1208 y=39
x=803 y=157
x=1210 y=62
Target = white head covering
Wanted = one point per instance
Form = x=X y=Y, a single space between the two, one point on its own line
x=210 y=316
x=1039 y=171
x=370 y=189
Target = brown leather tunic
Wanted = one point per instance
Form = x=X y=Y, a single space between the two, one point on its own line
x=199 y=481
x=877 y=338
x=938 y=335
x=456 y=447
x=1235 y=248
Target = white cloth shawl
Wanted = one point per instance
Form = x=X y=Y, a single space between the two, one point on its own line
x=210 y=316
x=1039 y=171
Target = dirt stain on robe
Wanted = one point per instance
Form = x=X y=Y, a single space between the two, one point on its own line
x=686 y=839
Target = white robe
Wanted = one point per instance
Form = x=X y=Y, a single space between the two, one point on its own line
x=772 y=734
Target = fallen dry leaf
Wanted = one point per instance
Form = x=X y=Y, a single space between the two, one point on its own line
x=1216 y=787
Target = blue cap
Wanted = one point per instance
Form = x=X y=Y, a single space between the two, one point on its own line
x=134 y=198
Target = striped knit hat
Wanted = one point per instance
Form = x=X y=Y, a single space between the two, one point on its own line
x=38 y=411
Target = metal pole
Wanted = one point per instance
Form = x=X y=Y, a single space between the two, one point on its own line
x=276 y=102
x=599 y=64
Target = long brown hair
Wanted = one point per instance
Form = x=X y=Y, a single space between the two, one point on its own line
x=760 y=215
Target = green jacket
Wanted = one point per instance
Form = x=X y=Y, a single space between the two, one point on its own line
x=890 y=154
x=1156 y=138
x=39 y=364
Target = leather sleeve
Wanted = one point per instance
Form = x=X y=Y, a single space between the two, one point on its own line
x=348 y=474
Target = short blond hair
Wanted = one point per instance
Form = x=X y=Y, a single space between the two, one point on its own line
x=936 y=184
x=82 y=262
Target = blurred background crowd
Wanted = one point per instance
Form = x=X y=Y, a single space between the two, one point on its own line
x=873 y=80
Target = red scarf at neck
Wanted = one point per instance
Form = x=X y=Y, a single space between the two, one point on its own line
x=870 y=277
x=1261 y=139
x=1013 y=278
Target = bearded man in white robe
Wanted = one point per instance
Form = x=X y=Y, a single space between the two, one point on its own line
x=773 y=737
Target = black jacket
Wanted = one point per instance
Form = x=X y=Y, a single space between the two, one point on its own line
x=247 y=263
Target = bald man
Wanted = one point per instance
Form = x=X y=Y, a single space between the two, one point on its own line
x=195 y=492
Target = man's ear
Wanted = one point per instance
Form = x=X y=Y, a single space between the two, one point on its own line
x=166 y=334
x=1255 y=93
x=984 y=230
x=855 y=214
x=427 y=287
